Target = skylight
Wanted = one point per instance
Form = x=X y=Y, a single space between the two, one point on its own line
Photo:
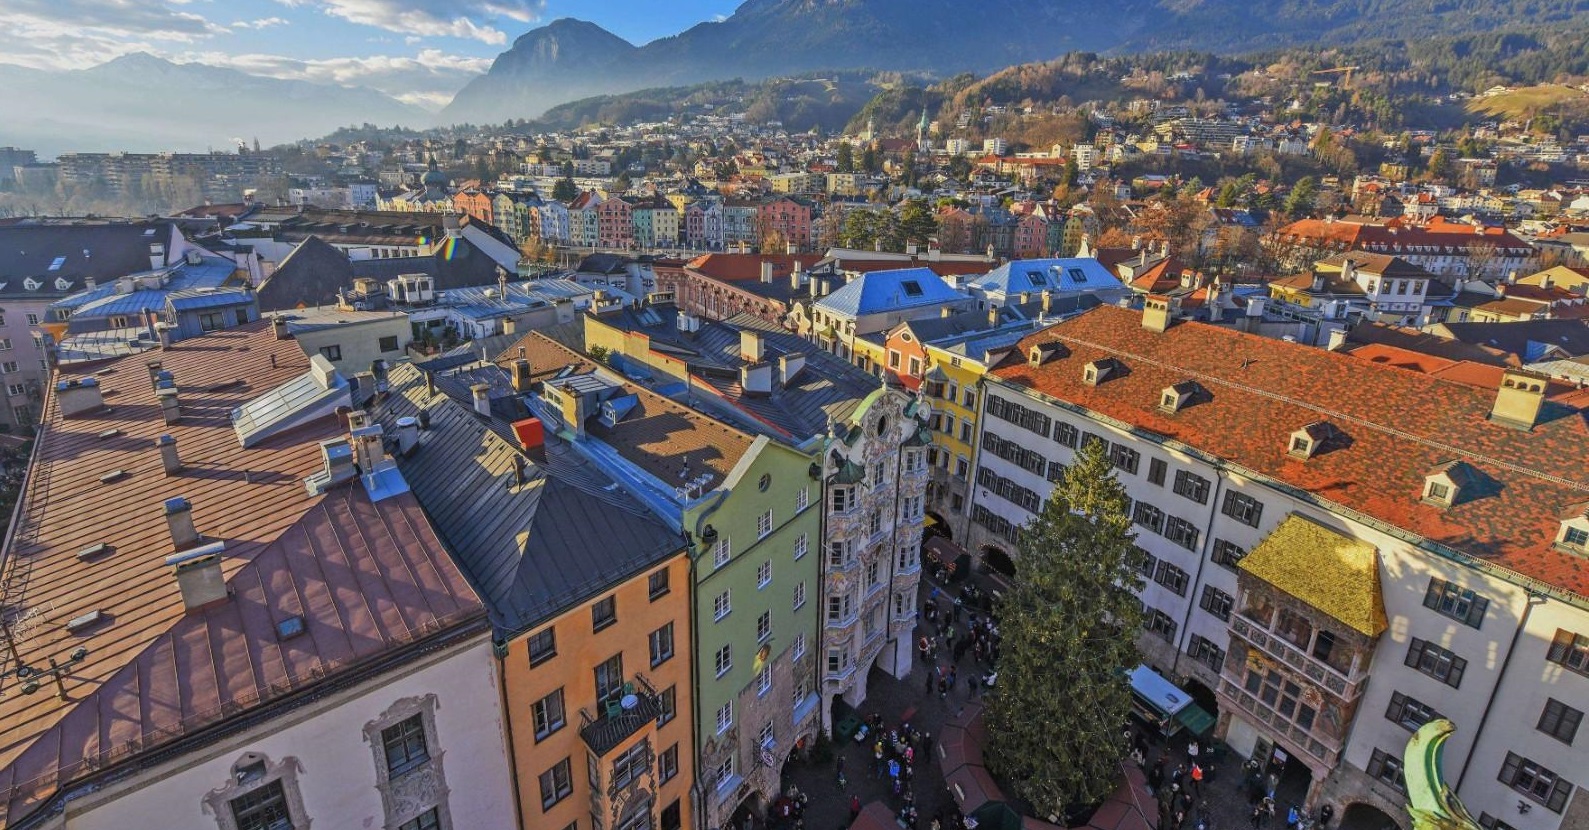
x=1078 y=275
x=1037 y=278
x=316 y=392
x=57 y=263
x=911 y=288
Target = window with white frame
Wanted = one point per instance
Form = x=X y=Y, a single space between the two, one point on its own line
x=799 y=595
x=764 y=680
x=802 y=545
x=764 y=524
x=764 y=574
x=724 y=660
x=798 y=650
x=722 y=551
x=803 y=498
x=725 y=716
x=763 y=626
x=722 y=605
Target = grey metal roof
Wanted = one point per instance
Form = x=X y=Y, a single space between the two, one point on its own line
x=530 y=550
x=102 y=252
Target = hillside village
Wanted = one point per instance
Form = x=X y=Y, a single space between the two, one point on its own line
x=620 y=475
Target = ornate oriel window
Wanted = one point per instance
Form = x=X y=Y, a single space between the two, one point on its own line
x=408 y=763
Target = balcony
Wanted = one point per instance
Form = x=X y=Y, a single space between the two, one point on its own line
x=637 y=706
x=1343 y=686
x=1320 y=747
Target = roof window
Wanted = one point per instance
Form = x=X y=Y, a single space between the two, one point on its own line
x=1099 y=371
x=55 y=264
x=911 y=288
x=1309 y=440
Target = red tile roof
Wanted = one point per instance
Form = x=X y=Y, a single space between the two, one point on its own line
x=367 y=579
x=1399 y=425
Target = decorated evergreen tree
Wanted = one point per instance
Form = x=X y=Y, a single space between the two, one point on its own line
x=1069 y=626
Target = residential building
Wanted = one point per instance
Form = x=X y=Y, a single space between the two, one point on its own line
x=1362 y=286
x=872 y=303
x=745 y=503
x=587 y=595
x=739 y=223
x=615 y=224
x=1442 y=247
x=41 y=264
x=191 y=662
x=200 y=293
x=787 y=217
x=1064 y=281
x=869 y=440
x=719 y=286
x=1306 y=520
x=351 y=339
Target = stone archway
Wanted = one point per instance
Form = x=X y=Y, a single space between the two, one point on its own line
x=938 y=526
x=998 y=560
x=1361 y=816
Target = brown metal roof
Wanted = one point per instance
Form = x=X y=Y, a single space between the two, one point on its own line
x=367 y=578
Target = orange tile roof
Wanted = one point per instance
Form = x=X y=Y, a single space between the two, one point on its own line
x=741 y=267
x=368 y=580
x=1400 y=425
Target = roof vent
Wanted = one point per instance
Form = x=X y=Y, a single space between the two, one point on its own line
x=336 y=458
x=93 y=552
x=169 y=460
x=179 y=520
x=1098 y=371
x=78 y=625
x=1310 y=440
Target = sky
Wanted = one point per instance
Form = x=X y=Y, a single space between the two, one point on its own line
x=419 y=51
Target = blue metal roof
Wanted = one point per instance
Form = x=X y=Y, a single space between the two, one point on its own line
x=1063 y=275
x=881 y=291
x=105 y=300
x=201 y=299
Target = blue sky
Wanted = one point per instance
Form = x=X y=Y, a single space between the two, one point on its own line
x=421 y=51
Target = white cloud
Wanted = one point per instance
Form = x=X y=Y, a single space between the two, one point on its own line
x=469 y=19
x=428 y=79
x=72 y=34
x=262 y=23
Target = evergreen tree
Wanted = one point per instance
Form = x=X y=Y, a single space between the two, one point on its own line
x=846 y=158
x=1300 y=202
x=565 y=190
x=916 y=221
x=1069 y=626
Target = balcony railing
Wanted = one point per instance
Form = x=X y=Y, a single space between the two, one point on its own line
x=1316 y=670
x=626 y=712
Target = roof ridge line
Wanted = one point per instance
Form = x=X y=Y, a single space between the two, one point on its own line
x=1516 y=468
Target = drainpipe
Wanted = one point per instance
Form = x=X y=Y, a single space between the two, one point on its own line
x=1528 y=608
x=699 y=794
x=500 y=651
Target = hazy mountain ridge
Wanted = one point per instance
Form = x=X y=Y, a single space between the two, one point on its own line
x=570 y=59
x=142 y=103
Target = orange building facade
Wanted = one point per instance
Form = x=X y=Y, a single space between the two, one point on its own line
x=599 y=709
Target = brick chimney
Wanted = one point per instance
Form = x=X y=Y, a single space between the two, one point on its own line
x=199 y=576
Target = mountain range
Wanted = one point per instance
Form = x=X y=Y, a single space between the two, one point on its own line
x=142 y=103
x=570 y=59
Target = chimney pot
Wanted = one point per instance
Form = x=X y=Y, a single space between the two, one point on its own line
x=179 y=520
x=168 y=454
x=199 y=576
x=766 y=271
x=521 y=375
x=170 y=409
x=482 y=398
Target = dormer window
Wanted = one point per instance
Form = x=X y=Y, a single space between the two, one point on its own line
x=1177 y=397
x=1099 y=371
x=1309 y=440
x=62 y=284
x=1574 y=534
x=32 y=284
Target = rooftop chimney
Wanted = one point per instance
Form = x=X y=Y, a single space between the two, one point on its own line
x=993 y=316
x=154 y=373
x=1048 y=302
x=278 y=325
x=521 y=375
x=1519 y=400
x=510 y=325
x=1156 y=313
x=751 y=347
x=1337 y=339
x=369 y=448
x=168 y=454
x=170 y=409
x=482 y=398
x=79 y=397
x=336 y=457
x=179 y=520
x=766 y=271
x=407 y=435
x=157 y=256
x=199 y=575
